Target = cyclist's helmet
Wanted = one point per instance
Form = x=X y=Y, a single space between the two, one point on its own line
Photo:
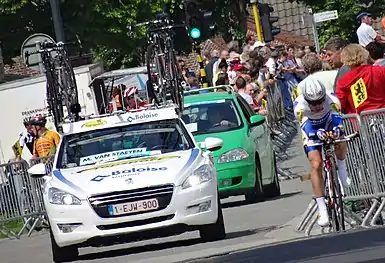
x=313 y=90
x=27 y=121
x=38 y=120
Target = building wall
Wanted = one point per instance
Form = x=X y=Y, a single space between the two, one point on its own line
x=293 y=17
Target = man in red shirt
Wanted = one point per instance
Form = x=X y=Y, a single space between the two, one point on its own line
x=363 y=88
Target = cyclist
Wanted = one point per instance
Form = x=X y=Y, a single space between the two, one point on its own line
x=46 y=141
x=25 y=139
x=319 y=114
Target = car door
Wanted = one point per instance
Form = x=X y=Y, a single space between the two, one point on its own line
x=260 y=137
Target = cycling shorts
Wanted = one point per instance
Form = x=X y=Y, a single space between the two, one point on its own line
x=309 y=130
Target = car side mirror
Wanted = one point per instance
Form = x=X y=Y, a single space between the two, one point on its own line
x=257 y=120
x=212 y=144
x=38 y=170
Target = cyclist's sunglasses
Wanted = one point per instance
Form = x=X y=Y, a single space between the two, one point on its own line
x=316 y=102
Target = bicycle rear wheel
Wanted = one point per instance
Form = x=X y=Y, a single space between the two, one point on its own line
x=155 y=71
x=54 y=103
x=176 y=88
x=70 y=90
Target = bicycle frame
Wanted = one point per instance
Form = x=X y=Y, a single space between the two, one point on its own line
x=333 y=188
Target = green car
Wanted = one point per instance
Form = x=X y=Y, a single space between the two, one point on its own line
x=246 y=162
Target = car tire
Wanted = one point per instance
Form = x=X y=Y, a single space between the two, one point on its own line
x=62 y=254
x=256 y=194
x=216 y=231
x=273 y=189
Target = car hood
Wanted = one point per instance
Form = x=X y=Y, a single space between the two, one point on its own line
x=231 y=140
x=128 y=174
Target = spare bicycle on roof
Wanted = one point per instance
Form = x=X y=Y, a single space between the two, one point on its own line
x=61 y=82
x=164 y=78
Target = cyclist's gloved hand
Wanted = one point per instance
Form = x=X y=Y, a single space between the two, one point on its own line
x=321 y=134
x=337 y=132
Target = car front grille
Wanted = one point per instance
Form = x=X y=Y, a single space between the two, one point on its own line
x=101 y=202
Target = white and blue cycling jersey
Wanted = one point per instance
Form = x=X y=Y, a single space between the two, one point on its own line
x=327 y=118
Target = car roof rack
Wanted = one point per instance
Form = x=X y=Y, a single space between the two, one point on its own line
x=228 y=88
x=120 y=112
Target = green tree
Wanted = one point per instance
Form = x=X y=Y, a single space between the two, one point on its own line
x=346 y=24
x=103 y=25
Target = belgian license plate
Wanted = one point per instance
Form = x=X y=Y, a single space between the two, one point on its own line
x=133 y=207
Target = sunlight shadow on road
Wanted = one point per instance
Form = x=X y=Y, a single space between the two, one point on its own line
x=244 y=203
x=169 y=245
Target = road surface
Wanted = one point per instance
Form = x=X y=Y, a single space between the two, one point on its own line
x=355 y=246
x=247 y=226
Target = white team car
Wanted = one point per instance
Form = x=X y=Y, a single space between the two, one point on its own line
x=127 y=177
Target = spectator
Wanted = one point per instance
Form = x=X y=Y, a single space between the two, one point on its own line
x=365 y=32
x=223 y=79
x=333 y=49
x=313 y=66
x=250 y=43
x=216 y=67
x=210 y=65
x=194 y=85
x=376 y=52
x=240 y=84
x=363 y=87
x=222 y=68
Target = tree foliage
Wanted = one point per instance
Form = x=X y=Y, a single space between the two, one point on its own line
x=103 y=25
x=346 y=24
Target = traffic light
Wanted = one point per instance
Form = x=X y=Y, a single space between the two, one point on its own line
x=267 y=21
x=199 y=20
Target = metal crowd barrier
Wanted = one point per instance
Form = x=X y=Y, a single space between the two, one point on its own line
x=284 y=129
x=365 y=163
x=21 y=202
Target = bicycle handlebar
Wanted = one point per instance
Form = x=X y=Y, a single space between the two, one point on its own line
x=48 y=47
x=333 y=141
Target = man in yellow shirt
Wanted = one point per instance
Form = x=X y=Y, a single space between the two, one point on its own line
x=46 y=141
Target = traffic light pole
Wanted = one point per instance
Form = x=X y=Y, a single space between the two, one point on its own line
x=202 y=71
x=257 y=20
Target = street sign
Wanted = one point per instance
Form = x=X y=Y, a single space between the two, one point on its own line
x=325 y=16
x=32 y=44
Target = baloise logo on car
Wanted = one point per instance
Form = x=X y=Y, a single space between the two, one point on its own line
x=142 y=116
x=128 y=172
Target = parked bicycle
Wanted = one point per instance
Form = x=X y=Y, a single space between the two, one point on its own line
x=164 y=78
x=61 y=82
x=333 y=189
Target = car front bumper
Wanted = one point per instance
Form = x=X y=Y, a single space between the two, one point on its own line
x=77 y=224
x=236 y=177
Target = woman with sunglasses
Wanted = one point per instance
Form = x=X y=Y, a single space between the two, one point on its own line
x=318 y=112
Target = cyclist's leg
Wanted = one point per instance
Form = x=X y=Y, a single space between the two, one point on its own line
x=315 y=160
x=340 y=151
x=317 y=181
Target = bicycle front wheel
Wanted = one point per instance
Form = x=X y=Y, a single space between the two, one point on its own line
x=337 y=209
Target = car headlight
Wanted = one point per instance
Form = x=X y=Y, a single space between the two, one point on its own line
x=202 y=174
x=233 y=155
x=60 y=197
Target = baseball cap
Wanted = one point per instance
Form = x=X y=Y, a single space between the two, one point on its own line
x=362 y=14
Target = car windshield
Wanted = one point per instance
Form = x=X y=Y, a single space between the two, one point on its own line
x=145 y=139
x=211 y=116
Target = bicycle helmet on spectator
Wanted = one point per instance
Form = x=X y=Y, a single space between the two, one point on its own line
x=313 y=90
x=38 y=120
x=27 y=121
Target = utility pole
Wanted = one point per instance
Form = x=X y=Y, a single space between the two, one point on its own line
x=256 y=19
x=57 y=20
